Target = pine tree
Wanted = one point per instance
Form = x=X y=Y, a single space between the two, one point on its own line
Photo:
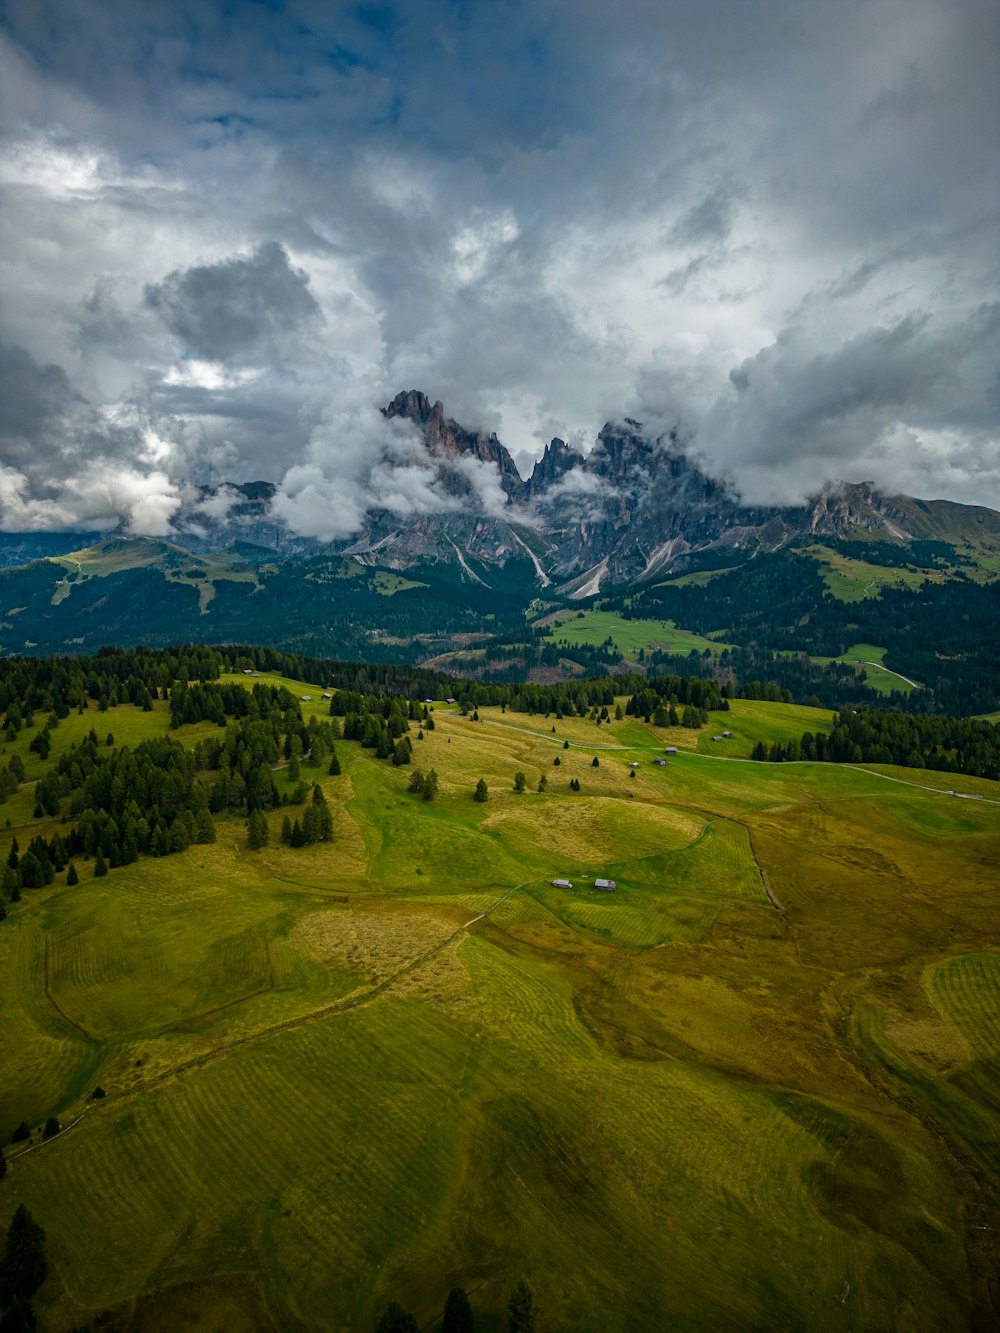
x=519 y=781
x=430 y=785
x=416 y=783
x=100 y=865
x=257 y=832
x=596 y=762
x=325 y=823
x=310 y=824
x=286 y=831
x=397 y=1320
x=457 y=1313
x=334 y=769
x=482 y=792
x=543 y=782
x=205 y=825
x=521 y=1310
x=23 y=1267
x=71 y=876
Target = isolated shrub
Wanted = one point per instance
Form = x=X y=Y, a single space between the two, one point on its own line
x=482 y=792
x=97 y=1094
x=100 y=866
x=430 y=785
x=22 y=1132
x=416 y=783
x=71 y=876
x=52 y=1127
x=596 y=763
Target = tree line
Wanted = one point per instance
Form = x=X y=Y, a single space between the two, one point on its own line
x=880 y=736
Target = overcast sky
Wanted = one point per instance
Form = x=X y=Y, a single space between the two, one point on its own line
x=230 y=232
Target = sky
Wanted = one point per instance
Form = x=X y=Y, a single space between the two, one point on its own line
x=231 y=232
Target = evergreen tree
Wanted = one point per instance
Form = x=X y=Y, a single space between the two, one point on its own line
x=334 y=769
x=521 y=1310
x=293 y=767
x=9 y=884
x=310 y=824
x=71 y=876
x=296 y=838
x=416 y=783
x=543 y=782
x=257 y=833
x=30 y=871
x=23 y=1266
x=397 y=1320
x=519 y=781
x=100 y=866
x=286 y=831
x=22 y=1132
x=596 y=762
x=205 y=826
x=52 y=1127
x=661 y=718
x=457 y=1313
x=430 y=785
x=482 y=792
x=18 y=1317
x=325 y=823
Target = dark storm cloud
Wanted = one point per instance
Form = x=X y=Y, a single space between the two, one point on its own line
x=237 y=310
x=235 y=229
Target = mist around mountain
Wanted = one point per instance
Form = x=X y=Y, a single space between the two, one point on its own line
x=636 y=507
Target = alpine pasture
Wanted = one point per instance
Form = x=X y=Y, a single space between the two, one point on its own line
x=755 y=1087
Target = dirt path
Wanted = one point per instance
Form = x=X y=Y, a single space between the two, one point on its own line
x=276 y=1029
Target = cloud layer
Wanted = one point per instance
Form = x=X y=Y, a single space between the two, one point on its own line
x=230 y=232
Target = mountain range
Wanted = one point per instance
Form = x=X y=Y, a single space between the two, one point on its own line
x=634 y=508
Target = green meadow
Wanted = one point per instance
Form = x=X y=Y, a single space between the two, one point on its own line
x=758 y=1087
x=594 y=627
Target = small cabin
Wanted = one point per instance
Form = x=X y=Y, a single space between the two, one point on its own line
x=608 y=885
x=247 y=671
x=306 y=698
x=562 y=883
x=451 y=701
x=633 y=763
x=716 y=738
x=670 y=749
x=660 y=763
x=728 y=735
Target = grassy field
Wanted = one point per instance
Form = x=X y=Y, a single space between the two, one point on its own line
x=757 y=1087
x=593 y=628
x=852 y=580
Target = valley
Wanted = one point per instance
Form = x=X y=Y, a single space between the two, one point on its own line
x=401 y=1060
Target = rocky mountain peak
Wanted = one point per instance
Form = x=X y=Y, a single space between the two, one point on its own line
x=558 y=459
x=447 y=440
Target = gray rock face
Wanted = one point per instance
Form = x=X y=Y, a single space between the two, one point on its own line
x=629 y=510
